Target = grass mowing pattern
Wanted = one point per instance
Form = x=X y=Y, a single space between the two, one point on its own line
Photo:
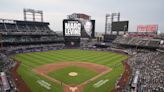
x=35 y=59
x=83 y=74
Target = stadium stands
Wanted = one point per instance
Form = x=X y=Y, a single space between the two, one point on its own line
x=16 y=26
x=5 y=83
x=17 y=34
x=150 y=65
x=138 y=42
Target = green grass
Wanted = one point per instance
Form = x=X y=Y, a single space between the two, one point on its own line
x=62 y=74
x=36 y=59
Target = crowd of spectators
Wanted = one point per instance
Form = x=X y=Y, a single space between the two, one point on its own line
x=5 y=65
x=148 y=63
x=20 y=39
x=137 y=41
x=3 y=58
x=151 y=77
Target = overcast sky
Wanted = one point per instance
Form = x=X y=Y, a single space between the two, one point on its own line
x=136 y=11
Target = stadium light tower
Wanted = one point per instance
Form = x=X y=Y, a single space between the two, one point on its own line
x=109 y=18
x=34 y=13
x=106 y=22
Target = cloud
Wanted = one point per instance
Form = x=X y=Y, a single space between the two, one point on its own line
x=136 y=11
x=11 y=15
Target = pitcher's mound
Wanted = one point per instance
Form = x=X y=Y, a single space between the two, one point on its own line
x=73 y=74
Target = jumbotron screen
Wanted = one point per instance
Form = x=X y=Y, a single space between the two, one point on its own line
x=120 y=26
x=88 y=28
x=79 y=28
x=71 y=28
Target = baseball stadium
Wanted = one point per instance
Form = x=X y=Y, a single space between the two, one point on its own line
x=35 y=58
x=60 y=70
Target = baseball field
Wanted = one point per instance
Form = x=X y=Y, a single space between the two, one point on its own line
x=70 y=70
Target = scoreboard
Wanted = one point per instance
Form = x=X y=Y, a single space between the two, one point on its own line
x=71 y=28
x=120 y=26
x=79 y=28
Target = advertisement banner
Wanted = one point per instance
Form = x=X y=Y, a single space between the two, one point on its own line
x=147 y=28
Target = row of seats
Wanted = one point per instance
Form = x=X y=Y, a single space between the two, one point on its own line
x=24 y=28
x=136 y=41
x=19 y=39
x=150 y=65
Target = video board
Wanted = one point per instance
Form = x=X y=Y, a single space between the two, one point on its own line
x=71 y=28
x=120 y=26
x=79 y=28
x=88 y=29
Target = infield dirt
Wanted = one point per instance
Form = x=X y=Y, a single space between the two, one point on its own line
x=45 y=69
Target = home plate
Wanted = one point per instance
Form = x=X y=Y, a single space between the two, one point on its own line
x=73 y=89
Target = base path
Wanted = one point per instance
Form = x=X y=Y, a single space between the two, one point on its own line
x=45 y=69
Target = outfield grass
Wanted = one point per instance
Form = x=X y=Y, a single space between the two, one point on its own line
x=35 y=59
x=83 y=74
